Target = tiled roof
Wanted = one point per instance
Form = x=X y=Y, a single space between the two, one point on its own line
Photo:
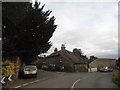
x=68 y=56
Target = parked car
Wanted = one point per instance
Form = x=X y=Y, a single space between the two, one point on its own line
x=44 y=67
x=118 y=68
x=62 y=68
x=29 y=70
x=52 y=67
x=106 y=69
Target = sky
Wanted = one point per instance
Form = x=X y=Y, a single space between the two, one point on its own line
x=91 y=26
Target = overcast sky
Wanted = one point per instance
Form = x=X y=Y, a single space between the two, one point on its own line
x=91 y=26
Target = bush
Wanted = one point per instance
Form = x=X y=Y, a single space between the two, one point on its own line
x=116 y=78
x=8 y=68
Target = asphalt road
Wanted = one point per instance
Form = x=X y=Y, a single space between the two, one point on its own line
x=73 y=80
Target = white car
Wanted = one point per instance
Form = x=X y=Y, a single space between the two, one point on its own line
x=30 y=70
x=106 y=69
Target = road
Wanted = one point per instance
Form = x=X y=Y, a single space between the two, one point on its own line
x=73 y=80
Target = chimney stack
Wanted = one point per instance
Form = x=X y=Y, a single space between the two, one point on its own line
x=55 y=50
x=62 y=47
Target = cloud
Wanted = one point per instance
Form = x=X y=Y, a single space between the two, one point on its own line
x=91 y=26
x=15 y=0
x=45 y=1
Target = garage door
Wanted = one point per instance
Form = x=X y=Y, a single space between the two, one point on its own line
x=81 y=68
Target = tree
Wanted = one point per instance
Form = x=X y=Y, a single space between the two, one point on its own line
x=80 y=53
x=77 y=51
x=10 y=18
x=92 y=58
x=26 y=34
x=118 y=63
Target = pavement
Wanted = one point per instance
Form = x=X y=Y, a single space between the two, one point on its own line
x=47 y=79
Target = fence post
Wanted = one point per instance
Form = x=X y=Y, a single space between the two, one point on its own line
x=17 y=66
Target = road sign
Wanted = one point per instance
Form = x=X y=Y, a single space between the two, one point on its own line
x=10 y=78
x=2 y=80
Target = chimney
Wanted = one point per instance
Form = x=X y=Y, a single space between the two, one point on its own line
x=55 y=50
x=62 y=47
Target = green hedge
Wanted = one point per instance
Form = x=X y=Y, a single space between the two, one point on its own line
x=116 y=78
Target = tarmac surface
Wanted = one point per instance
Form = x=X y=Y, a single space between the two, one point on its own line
x=47 y=79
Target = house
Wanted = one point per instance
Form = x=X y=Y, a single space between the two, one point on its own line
x=71 y=61
x=101 y=62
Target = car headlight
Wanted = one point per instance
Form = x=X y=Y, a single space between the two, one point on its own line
x=26 y=72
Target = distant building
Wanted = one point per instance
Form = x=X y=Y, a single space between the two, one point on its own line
x=71 y=61
x=98 y=63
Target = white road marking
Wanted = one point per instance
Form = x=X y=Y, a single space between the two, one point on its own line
x=25 y=84
x=78 y=81
x=75 y=83
x=28 y=83
x=18 y=86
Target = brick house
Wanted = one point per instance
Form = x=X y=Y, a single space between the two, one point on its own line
x=71 y=61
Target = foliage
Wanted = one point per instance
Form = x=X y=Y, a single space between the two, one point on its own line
x=92 y=58
x=26 y=30
x=80 y=53
x=77 y=51
x=116 y=78
x=38 y=62
x=8 y=68
x=118 y=63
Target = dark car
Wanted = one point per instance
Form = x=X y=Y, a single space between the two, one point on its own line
x=62 y=68
x=52 y=67
x=106 y=69
x=44 y=67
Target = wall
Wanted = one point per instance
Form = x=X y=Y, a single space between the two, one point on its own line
x=92 y=70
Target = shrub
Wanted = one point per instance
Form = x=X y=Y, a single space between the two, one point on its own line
x=38 y=62
x=8 y=68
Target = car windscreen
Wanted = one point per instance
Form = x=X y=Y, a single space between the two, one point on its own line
x=30 y=68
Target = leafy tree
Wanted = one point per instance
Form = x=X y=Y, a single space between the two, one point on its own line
x=26 y=30
x=38 y=62
x=77 y=51
x=92 y=58
x=80 y=53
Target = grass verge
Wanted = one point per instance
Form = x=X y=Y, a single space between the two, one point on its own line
x=116 y=78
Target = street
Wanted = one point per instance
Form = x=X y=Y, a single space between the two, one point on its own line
x=72 y=80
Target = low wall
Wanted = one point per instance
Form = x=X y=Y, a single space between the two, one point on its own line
x=92 y=69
